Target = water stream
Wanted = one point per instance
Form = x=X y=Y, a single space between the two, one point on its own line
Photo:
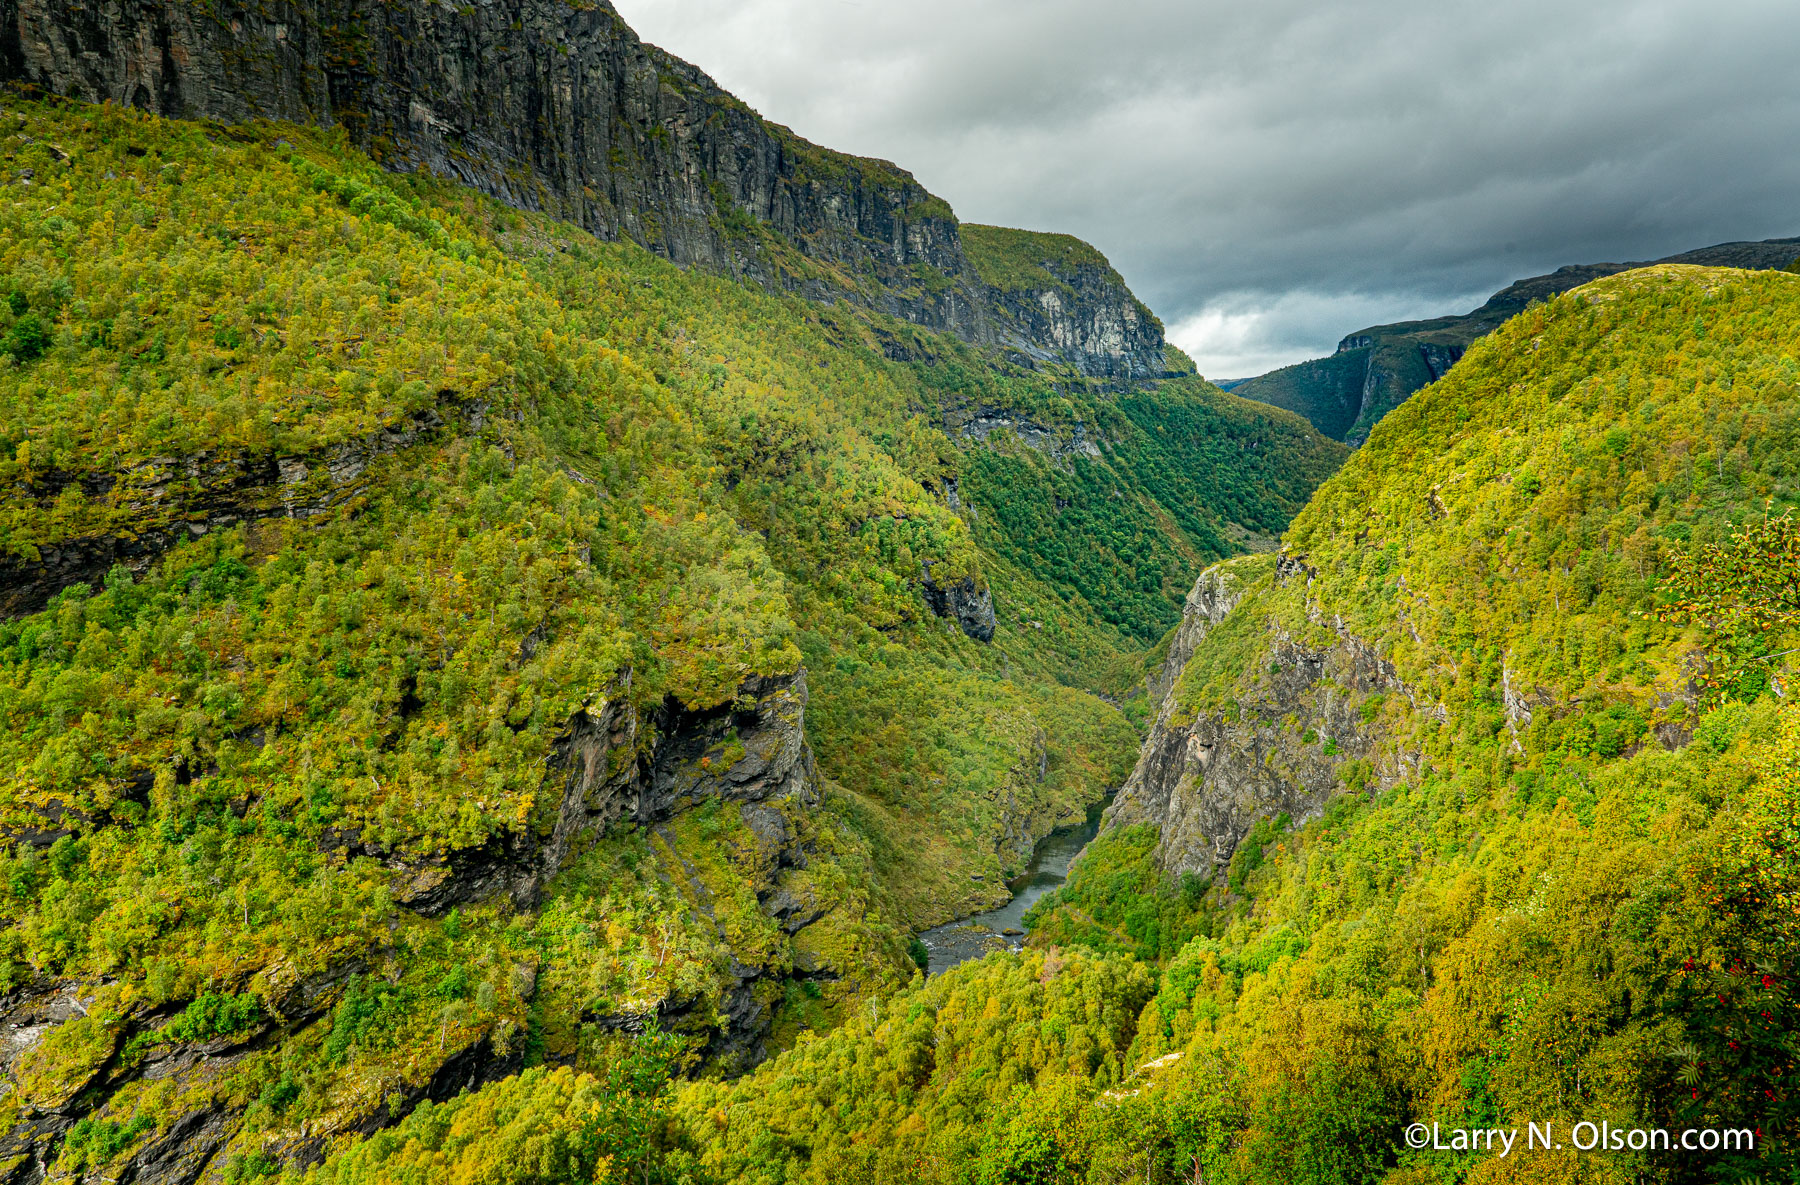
x=1004 y=928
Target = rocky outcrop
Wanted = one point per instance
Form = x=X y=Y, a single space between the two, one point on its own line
x=969 y=604
x=1204 y=779
x=979 y=423
x=559 y=107
x=1056 y=303
x=187 y=1146
x=1215 y=594
x=616 y=764
x=1439 y=359
x=162 y=501
x=618 y=767
x=544 y=104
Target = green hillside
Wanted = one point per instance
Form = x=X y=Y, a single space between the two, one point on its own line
x=1377 y=369
x=1558 y=885
x=439 y=643
x=1326 y=392
x=472 y=691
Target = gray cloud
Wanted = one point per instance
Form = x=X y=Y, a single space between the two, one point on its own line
x=1256 y=170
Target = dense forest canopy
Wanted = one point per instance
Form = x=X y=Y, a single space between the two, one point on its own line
x=441 y=644
x=1584 y=917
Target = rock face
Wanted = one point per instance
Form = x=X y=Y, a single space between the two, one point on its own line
x=971 y=605
x=1056 y=301
x=188 y=1147
x=1203 y=780
x=1214 y=595
x=619 y=768
x=558 y=106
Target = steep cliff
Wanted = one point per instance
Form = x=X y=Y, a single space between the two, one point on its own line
x=1257 y=720
x=1476 y=584
x=1056 y=300
x=559 y=107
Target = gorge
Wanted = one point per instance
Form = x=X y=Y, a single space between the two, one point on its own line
x=526 y=589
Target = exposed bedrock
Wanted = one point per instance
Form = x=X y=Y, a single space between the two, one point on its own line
x=1204 y=778
x=560 y=107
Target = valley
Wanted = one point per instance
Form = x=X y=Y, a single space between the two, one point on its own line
x=535 y=605
x=1002 y=928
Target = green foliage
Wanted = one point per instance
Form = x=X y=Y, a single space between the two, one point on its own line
x=543 y=1127
x=1249 y=855
x=1022 y=1150
x=1079 y=531
x=977 y=1074
x=95 y=1142
x=918 y=953
x=378 y=202
x=367 y=1015
x=1328 y=392
x=251 y=1166
x=213 y=1014
x=27 y=339
x=1428 y=541
x=1744 y=592
x=408 y=482
x=1548 y=914
x=1127 y=532
x=1117 y=899
x=1032 y=261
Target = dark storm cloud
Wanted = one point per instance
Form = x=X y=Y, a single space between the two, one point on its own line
x=1270 y=175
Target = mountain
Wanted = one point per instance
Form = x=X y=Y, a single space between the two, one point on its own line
x=1474 y=804
x=1375 y=370
x=440 y=641
x=491 y=692
x=558 y=107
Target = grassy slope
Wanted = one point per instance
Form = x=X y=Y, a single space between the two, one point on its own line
x=1329 y=391
x=1578 y=926
x=1030 y=261
x=675 y=484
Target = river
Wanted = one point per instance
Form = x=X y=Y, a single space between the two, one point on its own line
x=972 y=937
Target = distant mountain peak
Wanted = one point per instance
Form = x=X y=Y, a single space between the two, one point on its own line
x=1375 y=370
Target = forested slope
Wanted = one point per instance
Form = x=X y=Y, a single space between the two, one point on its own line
x=1476 y=807
x=1375 y=370
x=439 y=642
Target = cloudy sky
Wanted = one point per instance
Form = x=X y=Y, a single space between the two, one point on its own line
x=1270 y=175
